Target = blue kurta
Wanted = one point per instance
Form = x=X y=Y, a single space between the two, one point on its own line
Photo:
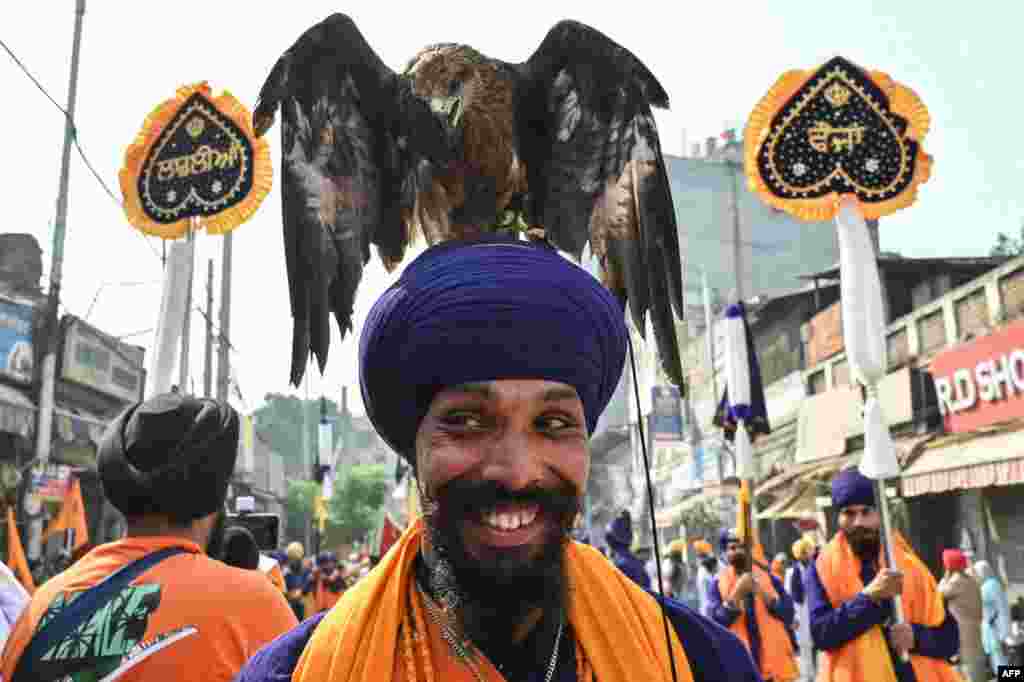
x=832 y=628
x=725 y=616
x=629 y=564
x=714 y=653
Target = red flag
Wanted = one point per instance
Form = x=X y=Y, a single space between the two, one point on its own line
x=389 y=534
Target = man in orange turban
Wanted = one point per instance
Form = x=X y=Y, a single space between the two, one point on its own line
x=850 y=594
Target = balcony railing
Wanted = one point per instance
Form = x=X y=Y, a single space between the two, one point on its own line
x=971 y=309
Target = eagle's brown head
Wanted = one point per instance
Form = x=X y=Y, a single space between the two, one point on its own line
x=474 y=97
x=456 y=80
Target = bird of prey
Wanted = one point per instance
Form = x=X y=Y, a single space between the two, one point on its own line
x=562 y=147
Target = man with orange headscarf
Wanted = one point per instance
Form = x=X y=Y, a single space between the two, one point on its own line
x=850 y=590
x=762 y=622
x=510 y=352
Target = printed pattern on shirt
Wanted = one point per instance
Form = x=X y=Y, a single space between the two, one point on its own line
x=110 y=641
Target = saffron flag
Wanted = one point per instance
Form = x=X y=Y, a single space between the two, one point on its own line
x=71 y=515
x=16 y=560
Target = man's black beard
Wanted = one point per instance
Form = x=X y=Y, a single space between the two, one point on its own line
x=865 y=542
x=215 y=545
x=494 y=594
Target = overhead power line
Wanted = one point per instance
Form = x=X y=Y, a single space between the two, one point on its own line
x=74 y=137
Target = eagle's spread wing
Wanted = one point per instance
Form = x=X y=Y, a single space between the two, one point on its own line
x=357 y=146
x=596 y=172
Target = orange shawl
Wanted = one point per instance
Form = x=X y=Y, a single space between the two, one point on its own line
x=618 y=626
x=778 y=661
x=867 y=657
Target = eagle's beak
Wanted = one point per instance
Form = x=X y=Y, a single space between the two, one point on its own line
x=448 y=107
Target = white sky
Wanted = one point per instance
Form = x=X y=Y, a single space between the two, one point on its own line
x=716 y=60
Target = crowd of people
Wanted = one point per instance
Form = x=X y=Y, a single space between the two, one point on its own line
x=315 y=583
x=813 y=613
x=502 y=389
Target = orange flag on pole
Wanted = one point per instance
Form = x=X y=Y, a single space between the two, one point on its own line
x=71 y=515
x=16 y=560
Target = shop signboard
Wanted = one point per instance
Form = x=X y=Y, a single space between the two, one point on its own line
x=666 y=413
x=16 y=356
x=102 y=363
x=825 y=334
x=50 y=483
x=981 y=382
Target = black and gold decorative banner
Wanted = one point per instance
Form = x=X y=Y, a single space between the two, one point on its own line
x=837 y=130
x=196 y=157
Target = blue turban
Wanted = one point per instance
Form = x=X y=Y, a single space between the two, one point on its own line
x=850 y=487
x=496 y=308
x=726 y=536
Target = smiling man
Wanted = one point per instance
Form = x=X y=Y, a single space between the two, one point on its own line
x=486 y=366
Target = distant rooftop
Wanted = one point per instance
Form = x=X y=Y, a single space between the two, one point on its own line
x=894 y=263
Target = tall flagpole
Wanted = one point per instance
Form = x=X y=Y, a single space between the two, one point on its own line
x=743 y=448
x=183 y=382
x=224 y=359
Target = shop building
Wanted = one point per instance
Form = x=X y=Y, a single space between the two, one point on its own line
x=97 y=377
x=971 y=481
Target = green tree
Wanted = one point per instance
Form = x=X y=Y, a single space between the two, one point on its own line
x=1007 y=245
x=353 y=509
x=701 y=520
x=299 y=507
x=279 y=421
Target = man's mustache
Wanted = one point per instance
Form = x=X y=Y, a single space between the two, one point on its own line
x=862 y=534
x=460 y=498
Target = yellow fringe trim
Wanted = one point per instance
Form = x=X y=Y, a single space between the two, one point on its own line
x=902 y=101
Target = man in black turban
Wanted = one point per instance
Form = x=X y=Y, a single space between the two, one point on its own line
x=165 y=464
x=486 y=367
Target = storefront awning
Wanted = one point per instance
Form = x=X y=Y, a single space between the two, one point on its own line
x=17 y=412
x=800 y=505
x=990 y=456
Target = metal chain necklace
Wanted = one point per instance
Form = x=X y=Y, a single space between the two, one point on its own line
x=463 y=649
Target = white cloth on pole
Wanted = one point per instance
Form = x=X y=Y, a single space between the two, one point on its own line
x=167 y=348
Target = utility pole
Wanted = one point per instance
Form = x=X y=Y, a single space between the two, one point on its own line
x=44 y=427
x=306 y=465
x=341 y=463
x=223 y=361
x=208 y=370
x=183 y=381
